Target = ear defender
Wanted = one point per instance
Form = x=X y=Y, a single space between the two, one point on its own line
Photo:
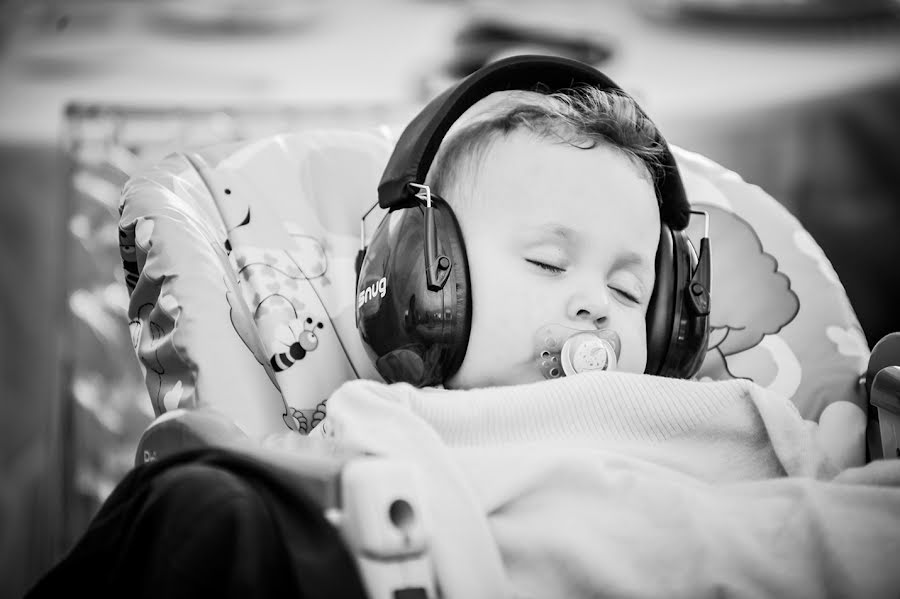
x=678 y=312
x=414 y=304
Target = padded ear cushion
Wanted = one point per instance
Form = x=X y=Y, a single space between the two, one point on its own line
x=662 y=307
x=457 y=316
x=417 y=335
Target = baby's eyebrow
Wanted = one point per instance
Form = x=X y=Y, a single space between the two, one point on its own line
x=556 y=232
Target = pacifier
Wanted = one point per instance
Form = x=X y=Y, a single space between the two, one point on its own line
x=564 y=351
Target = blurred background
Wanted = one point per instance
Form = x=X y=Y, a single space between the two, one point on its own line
x=801 y=97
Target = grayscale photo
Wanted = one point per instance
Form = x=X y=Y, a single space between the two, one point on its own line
x=450 y=299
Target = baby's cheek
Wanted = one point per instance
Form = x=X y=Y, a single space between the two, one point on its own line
x=634 y=348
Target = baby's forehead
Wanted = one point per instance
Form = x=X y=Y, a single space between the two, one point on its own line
x=535 y=182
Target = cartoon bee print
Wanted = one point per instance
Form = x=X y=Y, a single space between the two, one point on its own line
x=299 y=338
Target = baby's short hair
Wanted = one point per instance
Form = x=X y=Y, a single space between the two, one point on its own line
x=583 y=117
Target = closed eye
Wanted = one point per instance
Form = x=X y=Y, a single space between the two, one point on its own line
x=627 y=295
x=545 y=266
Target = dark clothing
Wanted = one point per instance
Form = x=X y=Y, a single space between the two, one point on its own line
x=206 y=523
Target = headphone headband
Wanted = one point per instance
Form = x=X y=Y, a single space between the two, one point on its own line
x=419 y=142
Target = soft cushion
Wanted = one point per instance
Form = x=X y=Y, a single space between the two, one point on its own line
x=240 y=270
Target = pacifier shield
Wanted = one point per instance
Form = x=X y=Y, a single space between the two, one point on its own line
x=563 y=351
x=583 y=352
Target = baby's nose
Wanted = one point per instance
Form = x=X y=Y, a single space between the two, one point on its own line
x=592 y=307
x=595 y=316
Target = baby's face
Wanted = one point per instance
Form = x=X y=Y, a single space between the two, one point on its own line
x=555 y=235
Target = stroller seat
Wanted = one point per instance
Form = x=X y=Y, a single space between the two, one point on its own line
x=239 y=261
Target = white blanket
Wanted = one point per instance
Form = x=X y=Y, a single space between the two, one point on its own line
x=635 y=486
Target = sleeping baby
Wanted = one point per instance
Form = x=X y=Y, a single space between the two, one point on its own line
x=537 y=315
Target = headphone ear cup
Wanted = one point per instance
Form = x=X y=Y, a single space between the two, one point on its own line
x=690 y=327
x=661 y=308
x=416 y=335
x=677 y=336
